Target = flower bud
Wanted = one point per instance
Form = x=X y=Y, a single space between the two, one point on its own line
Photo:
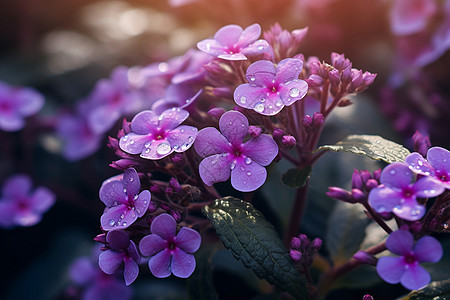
x=318 y=120
x=254 y=131
x=340 y=194
x=173 y=183
x=307 y=121
x=365 y=175
x=358 y=195
x=277 y=134
x=224 y=92
x=421 y=143
x=346 y=75
x=315 y=80
x=295 y=255
x=345 y=103
x=176 y=215
x=289 y=141
x=316 y=244
x=357 y=182
x=296 y=243
x=334 y=77
x=371 y=184
x=216 y=112
x=365 y=258
x=101 y=238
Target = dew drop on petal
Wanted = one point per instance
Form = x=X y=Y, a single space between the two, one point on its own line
x=248 y=160
x=392 y=172
x=381 y=209
x=252 y=78
x=163 y=148
x=125 y=190
x=249 y=173
x=125 y=138
x=147 y=145
x=190 y=139
x=242 y=169
x=259 y=107
x=182 y=130
x=233 y=165
x=416 y=211
x=294 y=92
x=243 y=99
x=279 y=103
x=445 y=225
x=420 y=163
x=398 y=209
x=124 y=224
x=131 y=142
x=112 y=222
x=261 y=47
x=135 y=197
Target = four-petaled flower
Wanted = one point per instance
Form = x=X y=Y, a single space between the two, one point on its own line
x=155 y=137
x=406 y=268
x=226 y=153
x=123 y=201
x=19 y=205
x=16 y=104
x=437 y=164
x=121 y=251
x=398 y=195
x=270 y=88
x=171 y=252
x=231 y=42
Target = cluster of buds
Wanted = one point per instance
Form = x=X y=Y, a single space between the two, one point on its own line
x=284 y=43
x=362 y=183
x=314 y=123
x=303 y=249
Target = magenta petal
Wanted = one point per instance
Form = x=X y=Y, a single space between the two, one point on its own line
x=212 y=47
x=42 y=199
x=249 y=35
x=142 y=202
x=261 y=73
x=183 y=264
x=159 y=264
x=157 y=149
x=182 y=137
x=253 y=147
x=112 y=193
x=210 y=141
x=234 y=126
x=133 y=143
x=391 y=269
x=215 y=168
x=288 y=69
x=293 y=91
x=117 y=217
x=384 y=199
x=439 y=158
x=396 y=175
x=110 y=261
x=172 y=117
x=188 y=240
x=248 y=177
x=130 y=271
x=428 y=187
x=144 y=122
x=152 y=244
x=131 y=182
x=400 y=242
x=415 y=277
x=228 y=35
x=418 y=164
x=165 y=226
x=247 y=96
x=428 y=249
x=16 y=186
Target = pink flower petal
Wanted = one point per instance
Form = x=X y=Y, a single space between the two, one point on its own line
x=234 y=126
x=384 y=199
x=18 y=185
x=247 y=96
x=248 y=177
x=159 y=264
x=42 y=199
x=131 y=182
x=188 y=240
x=428 y=187
x=288 y=69
x=293 y=91
x=249 y=35
x=418 y=164
x=165 y=226
x=215 y=168
x=172 y=117
x=439 y=158
x=228 y=35
x=117 y=217
x=211 y=47
x=183 y=264
x=142 y=202
x=261 y=73
x=112 y=193
x=157 y=149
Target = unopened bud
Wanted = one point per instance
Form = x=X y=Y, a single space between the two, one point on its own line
x=318 y=120
x=340 y=194
x=296 y=243
x=371 y=184
x=334 y=77
x=173 y=183
x=365 y=258
x=295 y=255
x=421 y=143
x=289 y=141
x=316 y=244
x=277 y=134
x=358 y=195
x=176 y=215
x=101 y=238
x=357 y=182
x=254 y=131
x=315 y=80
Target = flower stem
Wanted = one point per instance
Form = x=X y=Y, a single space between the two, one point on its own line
x=297 y=213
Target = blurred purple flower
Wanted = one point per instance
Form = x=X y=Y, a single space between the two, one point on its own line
x=155 y=137
x=16 y=104
x=406 y=268
x=270 y=88
x=177 y=95
x=411 y=16
x=226 y=153
x=398 y=195
x=437 y=165
x=19 y=205
x=171 y=252
x=123 y=202
x=121 y=251
x=231 y=42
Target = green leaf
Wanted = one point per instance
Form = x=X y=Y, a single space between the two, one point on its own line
x=254 y=241
x=346 y=231
x=431 y=291
x=372 y=146
x=296 y=178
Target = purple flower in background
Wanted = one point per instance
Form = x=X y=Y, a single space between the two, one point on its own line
x=155 y=137
x=406 y=268
x=437 y=165
x=398 y=195
x=225 y=153
x=270 y=88
x=177 y=95
x=411 y=16
x=231 y=42
x=21 y=206
x=16 y=104
x=171 y=252
x=123 y=202
x=121 y=251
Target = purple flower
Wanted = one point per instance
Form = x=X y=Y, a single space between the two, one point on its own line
x=231 y=42
x=121 y=251
x=171 y=252
x=155 y=137
x=19 y=205
x=226 y=153
x=406 y=268
x=270 y=88
x=437 y=164
x=398 y=195
x=123 y=202
x=411 y=16
x=16 y=104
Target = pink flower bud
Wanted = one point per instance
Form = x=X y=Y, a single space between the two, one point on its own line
x=296 y=243
x=216 y=112
x=254 y=131
x=365 y=258
x=289 y=141
x=295 y=255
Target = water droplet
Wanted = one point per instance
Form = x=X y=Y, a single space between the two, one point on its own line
x=112 y=222
x=185 y=147
x=182 y=130
x=135 y=197
x=252 y=78
x=260 y=47
x=223 y=154
x=392 y=172
x=420 y=163
x=115 y=203
x=147 y=145
x=294 y=92
x=145 y=201
x=230 y=122
x=248 y=160
x=259 y=107
x=279 y=103
x=214 y=161
x=138 y=211
x=398 y=209
x=125 y=190
x=131 y=142
x=233 y=165
x=208 y=46
x=249 y=173
x=263 y=100
x=147 y=150
x=122 y=216
x=131 y=179
x=163 y=148
x=125 y=138
x=445 y=225
x=416 y=211
x=124 y=224
x=163 y=67
x=243 y=99
x=190 y=139
x=381 y=209
x=242 y=169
